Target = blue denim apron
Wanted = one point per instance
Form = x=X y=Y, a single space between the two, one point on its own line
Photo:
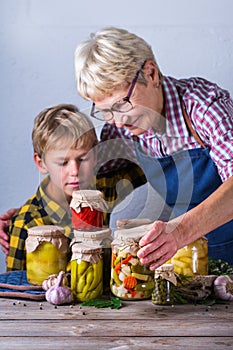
x=184 y=180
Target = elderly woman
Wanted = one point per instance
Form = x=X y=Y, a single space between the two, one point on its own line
x=182 y=131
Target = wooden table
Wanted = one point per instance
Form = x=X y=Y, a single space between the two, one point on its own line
x=137 y=325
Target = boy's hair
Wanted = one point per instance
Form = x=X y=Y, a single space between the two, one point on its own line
x=109 y=60
x=62 y=126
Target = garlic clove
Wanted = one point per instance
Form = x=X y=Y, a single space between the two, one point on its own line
x=52 y=279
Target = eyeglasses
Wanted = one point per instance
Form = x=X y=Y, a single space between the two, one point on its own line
x=122 y=106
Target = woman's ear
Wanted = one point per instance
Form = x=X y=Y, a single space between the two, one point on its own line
x=40 y=164
x=151 y=73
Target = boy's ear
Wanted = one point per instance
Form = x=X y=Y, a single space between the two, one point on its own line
x=40 y=164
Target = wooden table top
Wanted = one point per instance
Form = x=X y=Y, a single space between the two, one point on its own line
x=137 y=325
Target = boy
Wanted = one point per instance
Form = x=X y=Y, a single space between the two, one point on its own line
x=64 y=143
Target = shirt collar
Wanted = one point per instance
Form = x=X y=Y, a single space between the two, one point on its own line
x=175 y=123
x=58 y=215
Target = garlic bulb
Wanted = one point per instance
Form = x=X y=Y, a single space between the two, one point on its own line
x=52 y=279
x=223 y=288
x=58 y=294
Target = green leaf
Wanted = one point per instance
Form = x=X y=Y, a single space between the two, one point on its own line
x=114 y=303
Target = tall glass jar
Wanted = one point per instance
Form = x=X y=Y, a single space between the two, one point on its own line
x=102 y=237
x=47 y=251
x=165 y=280
x=130 y=280
x=86 y=271
x=87 y=207
x=192 y=260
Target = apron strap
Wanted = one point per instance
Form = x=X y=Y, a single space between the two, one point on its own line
x=190 y=127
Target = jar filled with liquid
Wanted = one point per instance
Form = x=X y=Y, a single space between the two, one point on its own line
x=130 y=280
x=102 y=237
x=47 y=251
x=87 y=207
x=165 y=280
x=192 y=260
x=86 y=271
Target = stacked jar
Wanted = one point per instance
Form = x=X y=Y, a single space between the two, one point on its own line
x=192 y=260
x=103 y=238
x=46 y=252
x=86 y=271
x=87 y=208
x=130 y=280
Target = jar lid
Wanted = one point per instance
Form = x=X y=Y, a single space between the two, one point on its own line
x=134 y=233
x=88 y=252
x=46 y=233
x=87 y=194
x=86 y=248
x=165 y=267
x=88 y=198
x=46 y=230
x=91 y=235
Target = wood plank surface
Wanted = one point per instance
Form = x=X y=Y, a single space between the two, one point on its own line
x=33 y=325
x=116 y=343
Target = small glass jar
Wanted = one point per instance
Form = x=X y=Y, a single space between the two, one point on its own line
x=47 y=251
x=192 y=260
x=87 y=207
x=130 y=280
x=86 y=272
x=165 y=280
x=102 y=237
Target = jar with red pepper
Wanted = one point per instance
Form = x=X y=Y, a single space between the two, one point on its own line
x=130 y=280
x=87 y=208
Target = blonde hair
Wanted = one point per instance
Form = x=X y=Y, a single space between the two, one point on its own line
x=109 y=60
x=62 y=126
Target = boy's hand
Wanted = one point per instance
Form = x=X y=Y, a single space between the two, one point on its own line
x=4 y=228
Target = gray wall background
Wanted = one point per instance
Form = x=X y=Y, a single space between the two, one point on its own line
x=37 y=43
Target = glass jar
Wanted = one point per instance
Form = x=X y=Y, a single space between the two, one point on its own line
x=87 y=207
x=103 y=238
x=86 y=271
x=165 y=280
x=192 y=260
x=47 y=251
x=130 y=280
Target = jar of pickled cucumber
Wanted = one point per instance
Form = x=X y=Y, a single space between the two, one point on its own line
x=165 y=280
x=192 y=260
x=87 y=207
x=47 y=251
x=86 y=271
x=102 y=237
x=130 y=280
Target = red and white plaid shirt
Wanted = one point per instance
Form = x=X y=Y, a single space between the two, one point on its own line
x=210 y=109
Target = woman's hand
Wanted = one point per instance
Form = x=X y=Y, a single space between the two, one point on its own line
x=158 y=245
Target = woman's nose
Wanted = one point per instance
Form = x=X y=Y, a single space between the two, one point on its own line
x=120 y=119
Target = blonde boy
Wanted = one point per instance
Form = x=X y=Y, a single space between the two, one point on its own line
x=64 y=143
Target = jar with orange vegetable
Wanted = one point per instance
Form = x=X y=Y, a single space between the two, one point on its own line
x=130 y=280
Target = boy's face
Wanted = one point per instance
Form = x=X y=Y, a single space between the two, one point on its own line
x=69 y=170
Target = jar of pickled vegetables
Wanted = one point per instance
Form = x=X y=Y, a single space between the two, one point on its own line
x=192 y=260
x=165 y=280
x=102 y=237
x=130 y=280
x=47 y=251
x=87 y=207
x=86 y=271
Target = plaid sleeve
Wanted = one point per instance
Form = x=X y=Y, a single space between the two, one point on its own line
x=116 y=185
